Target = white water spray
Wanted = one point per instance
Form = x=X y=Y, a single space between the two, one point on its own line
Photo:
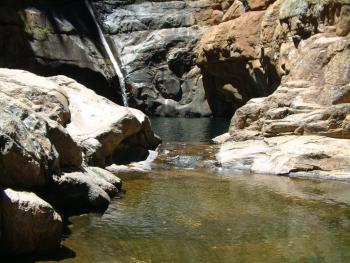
x=111 y=57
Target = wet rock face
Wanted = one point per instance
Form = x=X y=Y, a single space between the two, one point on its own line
x=155 y=43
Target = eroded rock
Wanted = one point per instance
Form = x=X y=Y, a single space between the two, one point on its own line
x=289 y=155
x=302 y=129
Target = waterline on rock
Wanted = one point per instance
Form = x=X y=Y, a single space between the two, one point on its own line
x=111 y=57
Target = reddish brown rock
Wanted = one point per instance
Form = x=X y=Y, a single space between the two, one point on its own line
x=230 y=56
x=228 y=40
x=303 y=128
x=259 y=4
x=216 y=17
x=235 y=10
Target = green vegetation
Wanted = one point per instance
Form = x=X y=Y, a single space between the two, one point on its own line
x=38 y=32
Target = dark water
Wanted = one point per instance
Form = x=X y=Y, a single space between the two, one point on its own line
x=196 y=130
x=185 y=211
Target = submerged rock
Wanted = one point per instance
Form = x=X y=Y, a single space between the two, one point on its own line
x=28 y=223
x=90 y=188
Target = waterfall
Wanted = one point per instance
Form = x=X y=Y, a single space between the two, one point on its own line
x=111 y=57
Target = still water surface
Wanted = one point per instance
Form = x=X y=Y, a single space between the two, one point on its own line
x=187 y=210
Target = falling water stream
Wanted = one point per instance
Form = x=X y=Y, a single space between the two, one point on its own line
x=110 y=54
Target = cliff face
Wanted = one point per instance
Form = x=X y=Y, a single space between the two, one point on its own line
x=155 y=43
x=247 y=54
x=301 y=129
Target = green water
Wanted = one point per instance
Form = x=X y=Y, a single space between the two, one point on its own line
x=187 y=210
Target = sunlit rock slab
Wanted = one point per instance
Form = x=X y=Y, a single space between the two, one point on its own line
x=304 y=156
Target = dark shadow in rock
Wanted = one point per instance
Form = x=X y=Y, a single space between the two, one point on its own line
x=62 y=253
x=127 y=153
x=231 y=84
x=66 y=230
x=108 y=88
x=68 y=212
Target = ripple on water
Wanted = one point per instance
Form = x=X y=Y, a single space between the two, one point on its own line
x=191 y=216
x=174 y=214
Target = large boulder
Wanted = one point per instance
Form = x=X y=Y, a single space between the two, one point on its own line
x=51 y=129
x=34 y=143
x=101 y=127
x=49 y=125
x=29 y=224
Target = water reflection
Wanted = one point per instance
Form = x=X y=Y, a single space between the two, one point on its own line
x=192 y=216
x=185 y=211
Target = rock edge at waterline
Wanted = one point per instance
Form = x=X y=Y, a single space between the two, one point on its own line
x=303 y=128
x=56 y=137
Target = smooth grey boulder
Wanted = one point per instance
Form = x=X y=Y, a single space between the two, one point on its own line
x=29 y=224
